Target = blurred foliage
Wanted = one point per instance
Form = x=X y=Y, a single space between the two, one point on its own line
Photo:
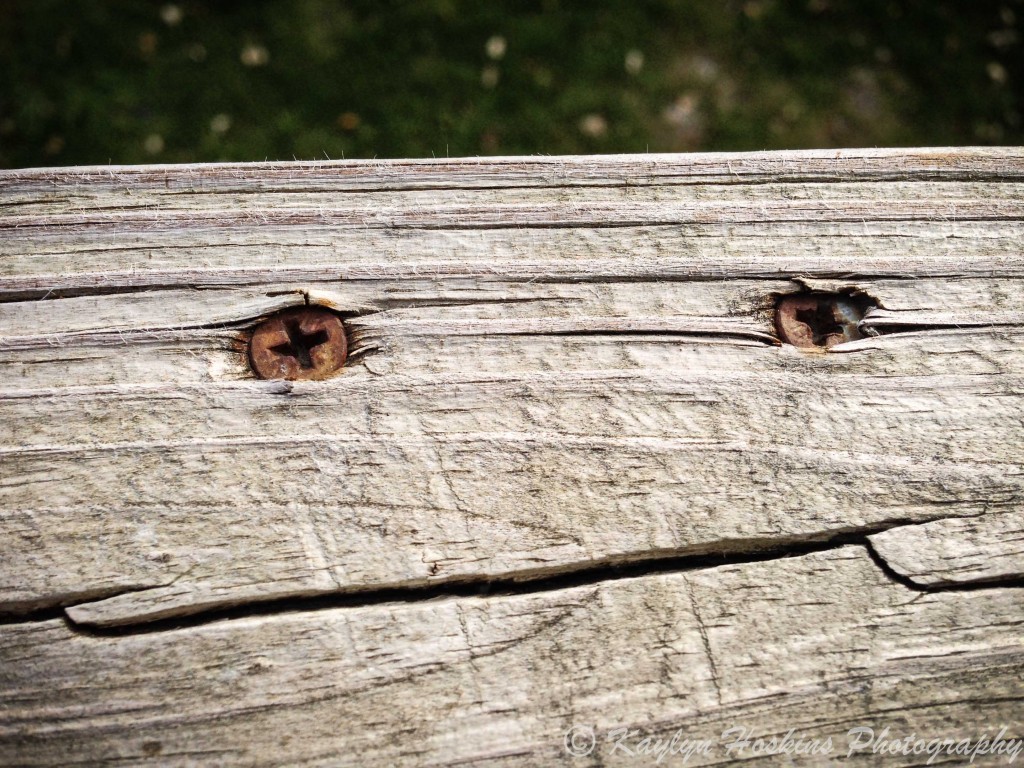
x=196 y=80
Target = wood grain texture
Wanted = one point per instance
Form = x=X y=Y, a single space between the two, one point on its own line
x=821 y=644
x=571 y=368
x=560 y=368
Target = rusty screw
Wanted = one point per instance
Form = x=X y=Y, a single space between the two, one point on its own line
x=820 y=320
x=299 y=344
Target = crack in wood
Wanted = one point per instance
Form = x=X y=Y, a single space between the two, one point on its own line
x=517 y=584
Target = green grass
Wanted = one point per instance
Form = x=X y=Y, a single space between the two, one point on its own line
x=128 y=82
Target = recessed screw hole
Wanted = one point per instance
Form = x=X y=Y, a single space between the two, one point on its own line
x=821 y=320
x=299 y=344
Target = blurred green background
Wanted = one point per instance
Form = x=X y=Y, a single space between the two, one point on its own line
x=94 y=82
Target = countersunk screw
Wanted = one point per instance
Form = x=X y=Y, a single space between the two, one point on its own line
x=820 y=320
x=299 y=344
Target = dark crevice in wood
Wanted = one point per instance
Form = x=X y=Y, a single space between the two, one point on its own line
x=849 y=277
x=504 y=177
x=221 y=223
x=525 y=584
x=891 y=329
x=554 y=182
x=761 y=338
x=10 y=295
x=54 y=294
x=49 y=613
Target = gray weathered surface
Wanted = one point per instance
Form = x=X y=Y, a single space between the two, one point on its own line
x=560 y=365
x=822 y=644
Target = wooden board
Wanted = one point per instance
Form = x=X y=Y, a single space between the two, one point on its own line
x=565 y=390
x=822 y=644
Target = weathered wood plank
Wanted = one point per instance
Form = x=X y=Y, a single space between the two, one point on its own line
x=521 y=401
x=178 y=256
x=809 y=166
x=560 y=367
x=822 y=644
x=433 y=477
x=402 y=308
